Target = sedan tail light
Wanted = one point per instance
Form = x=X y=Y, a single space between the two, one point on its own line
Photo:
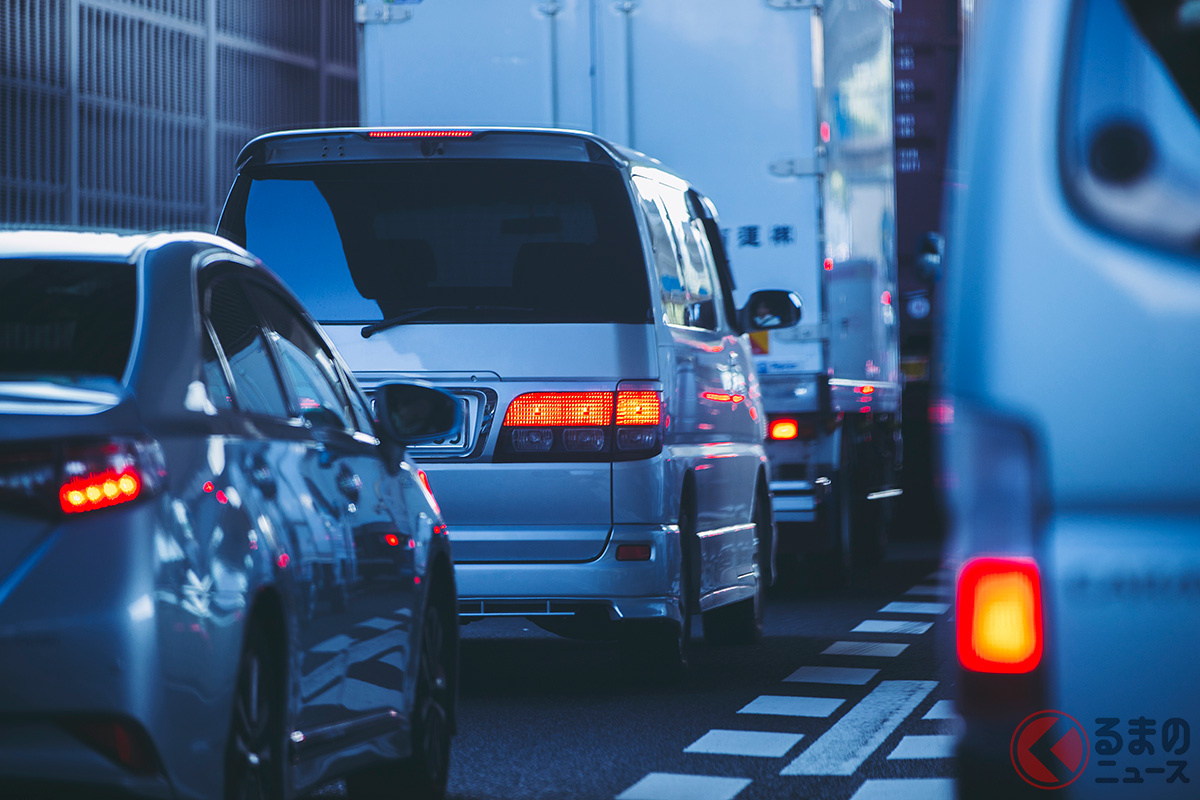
x=78 y=478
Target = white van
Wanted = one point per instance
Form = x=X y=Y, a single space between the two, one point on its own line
x=1071 y=382
x=610 y=479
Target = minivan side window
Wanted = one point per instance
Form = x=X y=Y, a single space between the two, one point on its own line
x=256 y=386
x=666 y=262
x=308 y=365
x=696 y=262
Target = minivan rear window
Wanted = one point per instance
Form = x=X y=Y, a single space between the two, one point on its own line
x=464 y=241
x=66 y=319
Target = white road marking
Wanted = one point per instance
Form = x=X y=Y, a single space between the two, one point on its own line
x=333 y=645
x=932 y=591
x=906 y=789
x=844 y=747
x=891 y=626
x=881 y=649
x=915 y=608
x=673 y=786
x=379 y=623
x=786 y=706
x=745 y=743
x=924 y=747
x=851 y=676
x=942 y=709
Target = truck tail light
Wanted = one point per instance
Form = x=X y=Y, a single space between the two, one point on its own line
x=78 y=478
x=999 y=613
x=783 y=429
x=582 y=426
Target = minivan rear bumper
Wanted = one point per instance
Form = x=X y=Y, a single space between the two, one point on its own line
x=625 y=589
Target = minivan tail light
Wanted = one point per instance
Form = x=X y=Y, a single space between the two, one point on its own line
x=638 y=408
x=999 y=615
x=560 y=408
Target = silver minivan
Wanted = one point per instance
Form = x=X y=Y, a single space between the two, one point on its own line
x=610 y=481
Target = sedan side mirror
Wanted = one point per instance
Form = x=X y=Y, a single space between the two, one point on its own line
x=768 y=309
x=414 y=413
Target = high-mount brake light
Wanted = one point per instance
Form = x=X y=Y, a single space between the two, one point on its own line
x=420 y=134
x=560 y=408
x=999 y=615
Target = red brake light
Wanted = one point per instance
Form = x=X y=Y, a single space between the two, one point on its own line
x=633 y=552
x=392 y=539
x=999 y=615
x=828 y=264
x=560 y=408
x=421 y=476
x=638 y=408
x=119 y=741
x=785 y=428
x=419 y=134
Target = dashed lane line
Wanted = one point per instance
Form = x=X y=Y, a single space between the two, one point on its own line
x=906 y=789
x=674 y=786
x=745 y=743
x=942 y=709
x=891 y=626
x=879 y=649
x=787 y=706
x=849 y=676
x=915 y=608
x=938 y=746
x=843 y=748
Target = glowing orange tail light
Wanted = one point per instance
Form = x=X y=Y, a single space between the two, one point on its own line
x=560 y=408
x=638 y=408
x=99 y=490
x=1000 y=615
x=784 y=429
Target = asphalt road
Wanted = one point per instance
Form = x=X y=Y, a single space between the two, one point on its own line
x=813 y=711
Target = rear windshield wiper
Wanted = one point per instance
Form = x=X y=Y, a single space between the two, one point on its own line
x=375 y=327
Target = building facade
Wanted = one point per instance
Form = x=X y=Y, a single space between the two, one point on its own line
x=128 y=114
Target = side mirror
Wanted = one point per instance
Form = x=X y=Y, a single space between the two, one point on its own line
x=930 y=251
x=768 y=309
x=414 y=413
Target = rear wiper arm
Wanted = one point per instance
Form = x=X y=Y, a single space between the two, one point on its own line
x=375 y=327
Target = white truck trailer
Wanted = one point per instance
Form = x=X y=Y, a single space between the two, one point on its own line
x=781 y=111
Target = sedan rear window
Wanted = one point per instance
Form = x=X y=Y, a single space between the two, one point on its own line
x=65 y=319
x=461 y=241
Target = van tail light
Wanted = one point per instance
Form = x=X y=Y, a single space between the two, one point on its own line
x=78 y=478
x=582 y=426
x=999 y=613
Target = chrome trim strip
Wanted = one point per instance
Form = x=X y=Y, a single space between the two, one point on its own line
x=881 y=495
x=722 y=531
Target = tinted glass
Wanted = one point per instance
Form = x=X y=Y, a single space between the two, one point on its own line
x=666 y=262
x=478 y=241
x=1131 y=140
x=256 y=386
x=219 y=393
x=306 y=362
x=696 y=264
x=66 y=318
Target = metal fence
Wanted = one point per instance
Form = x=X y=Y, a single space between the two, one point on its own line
x=129 y=113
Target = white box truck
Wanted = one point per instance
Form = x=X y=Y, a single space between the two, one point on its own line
x=781 y=111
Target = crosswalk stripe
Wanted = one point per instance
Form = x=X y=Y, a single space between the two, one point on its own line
x=844 y=747
x=942 y=709
x=673 y=786
x=880 y=649
x=906 y=789
x=852 y=676
x=915 y=608
x=938 y=746
x=745 y=743
x=786 y=706
x=931 y=591
x=891 y=626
